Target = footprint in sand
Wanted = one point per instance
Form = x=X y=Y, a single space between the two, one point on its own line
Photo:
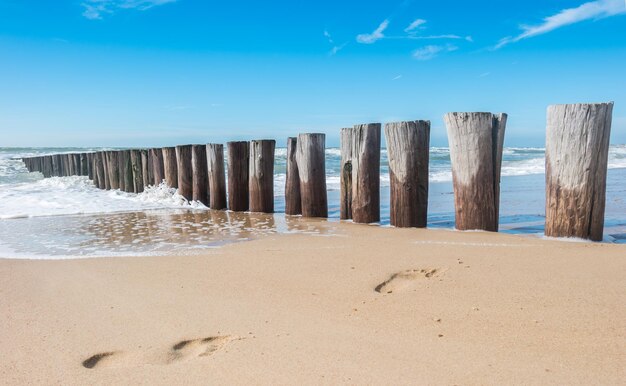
x=181 y=351
x=407 y=280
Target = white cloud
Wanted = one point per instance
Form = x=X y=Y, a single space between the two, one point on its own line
x=328 y=36
x=374 y=36
x=96 y=9
x=336 y=49
x=396 y=77
x=592 y=10
x=417 y=23
x=429 y=52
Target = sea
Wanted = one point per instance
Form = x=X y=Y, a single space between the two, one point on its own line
x=67 y=217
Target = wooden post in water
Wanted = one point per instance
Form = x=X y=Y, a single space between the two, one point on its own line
x=311 y=160
x=126 y=172
x=366 y=173
x=476 y=141
x=137 y=168
x=200 y=187
x=170 y=168
x=146 y=168
x=261 y=178
x=217 y=177
x=56 y=165
x=293 y=201
x=345 y=170
x=99 y=170
x=577 y=146
x=407 y=152
x=84 y=165
x=185 y=172
x=113 y=169
x=238 y=172
x=89 y=160
x=158 y=168
x=105 y=167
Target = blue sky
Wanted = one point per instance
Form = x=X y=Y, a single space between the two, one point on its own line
x=166 y=72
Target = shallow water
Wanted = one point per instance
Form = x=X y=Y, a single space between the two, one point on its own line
x=68 y=216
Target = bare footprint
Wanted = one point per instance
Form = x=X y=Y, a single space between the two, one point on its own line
x=406 y=280
x=189 y=349
x=105 y=359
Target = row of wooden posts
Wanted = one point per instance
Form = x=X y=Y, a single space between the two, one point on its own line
x=577 y=145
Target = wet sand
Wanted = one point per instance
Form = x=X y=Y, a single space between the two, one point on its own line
x=361 y=304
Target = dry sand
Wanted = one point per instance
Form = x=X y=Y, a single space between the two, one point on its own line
x=370 y=305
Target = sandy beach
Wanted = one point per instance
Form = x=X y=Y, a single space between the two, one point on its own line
x=367 y=305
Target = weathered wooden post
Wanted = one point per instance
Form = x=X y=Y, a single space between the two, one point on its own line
x=345 y=170
x=126 y=172
x=84 y=165
x=476 y=141
x=217 y=177
x=56 y=165
x=146 y=168
x=89 y=160
x=407 y=152
x=158 y=168
x=366 y=173
x=99 y=170
x=577 y=146
x=113 y=169
x=311 y=159
x=137 y=168
x=170 y=168
x=200 y=188
x=293 y=201
x=238 y=169
x=185 y=172
x=261 y=178
x=105 y=166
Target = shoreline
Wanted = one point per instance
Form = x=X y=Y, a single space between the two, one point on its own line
x=452 y=307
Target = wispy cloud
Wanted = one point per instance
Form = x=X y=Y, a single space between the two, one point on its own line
x=96 y=9
x=396 y=77
x=433 y=37
x=592 y=10
x=374 y=36
x=431 y=51
x=417 y=23
x=336 y=47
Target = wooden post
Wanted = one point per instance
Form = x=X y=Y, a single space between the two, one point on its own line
x=293 y=201
x=345 y=170
x=56 y=165
x=217 y=177
x=105 y=166
x=577 y=146
x=99 y=170
x=170 y=167
x=407 y=152
x=238 y=172
x=137 y=168
x=185 y=172
x=158 y=168
x=261 y=175
x=126 y=172
x=476 y=141
x=200 y=187
x=89 y=160
x=84 y=164
x=366 y=173
x=311 y=159
x=146 y=168
x=113 y=169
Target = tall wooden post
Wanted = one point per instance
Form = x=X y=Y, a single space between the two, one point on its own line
x=89 y=160
x=261 y=179
x=217 y=177
x=146 y=168
x=200 y=188
x=158 y=167
x=311 y=159
x=113 y=169
x=476 y=141
x=407 y=152
x=577 y=146
x=126 y=172
x=137 y=167
x=366 y=173
x=185 y=172
x=56 y=165
x=293 y=202
x=238 y=169
x=170 y=167
x=99 y=170
x=345 y=170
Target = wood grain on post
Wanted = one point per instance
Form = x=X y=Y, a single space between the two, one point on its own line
x=577 y=146
x=311 y=160
x=261 y=178
x=105 y=166
x=146 y=168
x=238 y=169
x=345 y=170
x=217 y=176
x=89 y=158
x=67 y=165
x=407 y=152
x=127 y=183
x=84 y=164
x=170 y=167
x=113 y=169
x=366 y=173
x=158 y=167
x=476 y=141
x=185 y=172
x=99 y=170
x=137 y=168
x=293 y=202
x=200 y=188
x=56 y=165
